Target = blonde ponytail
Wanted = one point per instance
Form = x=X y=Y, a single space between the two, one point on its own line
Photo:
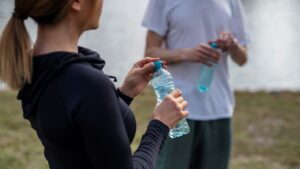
x=15 y=44
x=15 y=58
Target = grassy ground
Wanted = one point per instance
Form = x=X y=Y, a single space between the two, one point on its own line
x=266 y=131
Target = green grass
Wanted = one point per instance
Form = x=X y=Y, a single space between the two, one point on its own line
x=266 y=131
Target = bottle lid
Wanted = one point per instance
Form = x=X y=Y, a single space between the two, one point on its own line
x=157 y=65
x=214 y=45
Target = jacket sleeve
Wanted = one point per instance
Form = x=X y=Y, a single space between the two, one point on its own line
x=126 y=99
x=103 y=131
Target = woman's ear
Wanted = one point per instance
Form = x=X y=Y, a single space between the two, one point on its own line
x=76 y=5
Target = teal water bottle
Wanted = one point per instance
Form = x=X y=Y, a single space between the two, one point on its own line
x=162 y=83
x=206 y=74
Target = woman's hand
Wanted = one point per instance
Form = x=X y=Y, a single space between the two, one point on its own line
x=227 y=41
x=202 y=53
x=138 y=77
x=171 y=110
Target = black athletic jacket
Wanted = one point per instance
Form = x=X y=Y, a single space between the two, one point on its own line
x=82 y=121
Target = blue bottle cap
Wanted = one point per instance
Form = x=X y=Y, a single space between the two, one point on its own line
x=157 y=65
x=214 y=45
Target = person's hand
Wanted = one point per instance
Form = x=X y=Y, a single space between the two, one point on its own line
x=202 y=53
x=227 y=41
x=172 y=109
x=138 y=77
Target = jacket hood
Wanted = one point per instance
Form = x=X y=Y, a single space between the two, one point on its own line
x=46 y=68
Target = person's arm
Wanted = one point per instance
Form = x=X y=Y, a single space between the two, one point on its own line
x=103 y=131
x=154 y=48
x=156 y=21
x=238 y=54
x=239 y=34
x=202 y=53
x=146 y=155
x=228 y=43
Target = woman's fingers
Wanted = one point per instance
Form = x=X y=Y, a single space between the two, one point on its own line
x=148 y=77
x=184 y=104
x=171 y=109
x=180 y=99
x=147 y=68
x=185 y=113
x=176 y=93
x=147 y=65
x=145 y=61
x=181 y=102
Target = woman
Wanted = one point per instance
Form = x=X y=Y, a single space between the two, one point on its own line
x=81 y=119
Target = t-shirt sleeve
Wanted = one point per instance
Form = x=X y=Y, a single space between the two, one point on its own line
x=238 y=22
x=155 y=17
x=103 y=132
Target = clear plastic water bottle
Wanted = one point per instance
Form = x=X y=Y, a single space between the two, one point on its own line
x=206 y=74
x=162 y=83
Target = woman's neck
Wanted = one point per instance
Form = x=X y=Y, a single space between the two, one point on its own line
x=61 y=37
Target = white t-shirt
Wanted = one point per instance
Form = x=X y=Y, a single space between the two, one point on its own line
x=187 y=23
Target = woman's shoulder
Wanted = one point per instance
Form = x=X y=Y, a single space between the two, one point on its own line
x=85 y=77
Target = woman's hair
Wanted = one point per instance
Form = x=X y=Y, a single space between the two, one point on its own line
x=15 y=44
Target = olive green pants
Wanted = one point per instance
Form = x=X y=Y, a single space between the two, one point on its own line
x=207 y=146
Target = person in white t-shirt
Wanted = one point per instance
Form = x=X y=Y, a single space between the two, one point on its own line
x=179 y=32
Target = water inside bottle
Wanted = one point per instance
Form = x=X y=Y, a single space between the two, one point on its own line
x=162 y=83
